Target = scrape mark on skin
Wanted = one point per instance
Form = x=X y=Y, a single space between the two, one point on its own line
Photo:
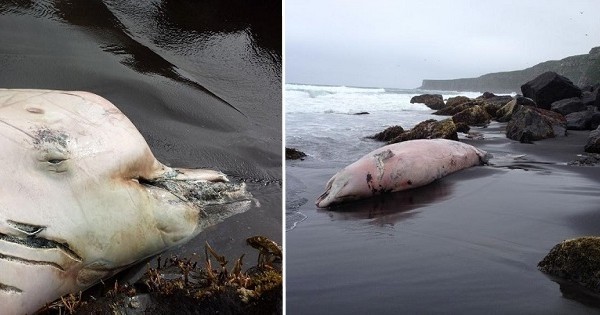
x=380 y=159
x=370 y=183
x=45 y=135
x=9 y=288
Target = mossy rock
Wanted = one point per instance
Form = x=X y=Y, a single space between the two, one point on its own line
x=576 y=260
x=429 y=129
x=388 y=134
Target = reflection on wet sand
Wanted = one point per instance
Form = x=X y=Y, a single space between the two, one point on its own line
x=389 y=209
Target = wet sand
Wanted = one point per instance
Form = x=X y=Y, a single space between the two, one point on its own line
x=466 y=244
x=205 y=93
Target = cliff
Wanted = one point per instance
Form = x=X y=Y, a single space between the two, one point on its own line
x=581 y=69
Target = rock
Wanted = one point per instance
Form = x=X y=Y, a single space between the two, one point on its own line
x=433 y=101
x=505 y=112
x=548 y=88
x=486 y=95
x=589 y=98
x=595 y=120
x=361 y=113
x=472 y=116
x=388 y=134
x=522 y=100
x=576 y=260
x=454 y=109
x=462 y=127
x=593 y=143
x=586 y=159
x=498 y=100
x=568 y=105
x=492 y=109
x=583 y=120
x=293 y=154
x=429 y=129
x=530 y=124
x=457 y=100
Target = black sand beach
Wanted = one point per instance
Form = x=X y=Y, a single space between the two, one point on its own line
x=200 y=80
x=466 y=244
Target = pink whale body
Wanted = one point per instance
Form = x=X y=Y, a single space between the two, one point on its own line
x=400 y=166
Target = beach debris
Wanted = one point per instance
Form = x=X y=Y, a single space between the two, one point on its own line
x=198 y=285
x=269 y=251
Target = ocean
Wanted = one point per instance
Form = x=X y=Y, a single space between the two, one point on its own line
x=468 y=243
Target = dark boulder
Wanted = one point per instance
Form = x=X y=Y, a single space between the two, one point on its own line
x=548 y=88
x=583 y=120
x=433 y=101
x=388 y=134
x=589 y=98
x=293 y=154
x=576 y=260
x=595 y=121
x=472 y=116
x=568 y=105
x=361 y=113
x=429 y=129
x=531 y=124
x=593 y=143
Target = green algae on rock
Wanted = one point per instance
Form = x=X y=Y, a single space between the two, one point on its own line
x=576 y=260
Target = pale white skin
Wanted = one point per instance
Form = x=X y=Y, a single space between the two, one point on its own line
x=399 y=166
x=71 y=163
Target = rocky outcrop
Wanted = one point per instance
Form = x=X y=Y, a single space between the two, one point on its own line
x=388 y=134
x=472 y=116
x=568 y=105
x=433 y=101
x=293 y=154
x=457 y=100
x=548 y=88
x=576 y=260
x=582 y=70
x=593 y=143
x=531 y=124
x=429 y=129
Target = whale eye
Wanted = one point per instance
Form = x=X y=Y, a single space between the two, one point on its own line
x=55 y=161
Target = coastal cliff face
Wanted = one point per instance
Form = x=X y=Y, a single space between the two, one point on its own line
x=581 y=69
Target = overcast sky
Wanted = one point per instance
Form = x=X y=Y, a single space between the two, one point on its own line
x=399 y=43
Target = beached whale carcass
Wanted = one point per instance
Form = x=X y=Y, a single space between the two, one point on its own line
x=399 y=166
x=82 y=196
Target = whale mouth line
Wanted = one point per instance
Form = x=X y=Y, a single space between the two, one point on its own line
x=30 y=261
x=36 y=242
x=9 y=288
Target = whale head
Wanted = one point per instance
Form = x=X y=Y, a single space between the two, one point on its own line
x=82 y=196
